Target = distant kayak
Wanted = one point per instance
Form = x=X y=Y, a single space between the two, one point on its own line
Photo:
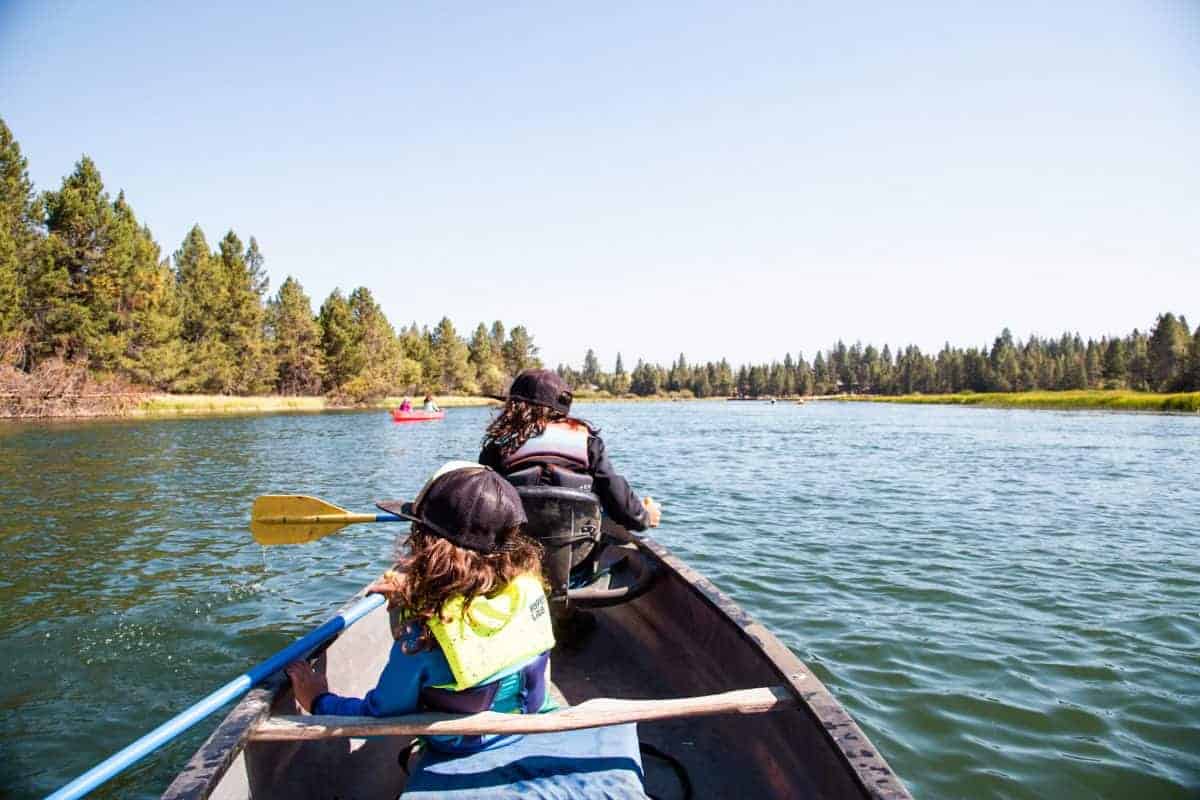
x=416 y=415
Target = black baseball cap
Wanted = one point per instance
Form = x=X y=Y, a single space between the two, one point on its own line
x=542 y=387
x=467 y=504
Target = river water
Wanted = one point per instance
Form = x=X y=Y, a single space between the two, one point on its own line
x=1005 y=600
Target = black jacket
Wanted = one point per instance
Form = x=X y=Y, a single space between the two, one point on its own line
x=616 y=497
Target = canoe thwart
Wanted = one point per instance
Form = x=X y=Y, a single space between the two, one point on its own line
x=593 y=713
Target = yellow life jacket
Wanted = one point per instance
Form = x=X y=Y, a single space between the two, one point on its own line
x=493 y=633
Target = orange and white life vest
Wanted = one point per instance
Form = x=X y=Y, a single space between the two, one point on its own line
x=564 y=443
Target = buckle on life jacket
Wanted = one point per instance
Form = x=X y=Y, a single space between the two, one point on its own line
x=547 y=474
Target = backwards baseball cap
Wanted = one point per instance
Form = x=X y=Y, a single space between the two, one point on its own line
x=542 y=387
x=467 y=504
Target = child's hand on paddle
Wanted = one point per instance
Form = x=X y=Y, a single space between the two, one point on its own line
x=653 y=512
x=388 y=584
x=307 y=685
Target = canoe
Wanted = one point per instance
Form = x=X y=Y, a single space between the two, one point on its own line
x=416 y=415
x=680 y=637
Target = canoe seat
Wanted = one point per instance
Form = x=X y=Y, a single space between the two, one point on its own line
x=593 y=763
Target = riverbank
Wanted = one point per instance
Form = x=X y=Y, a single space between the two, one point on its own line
x=1105 y=400
x=199 y=405
x=185 y=405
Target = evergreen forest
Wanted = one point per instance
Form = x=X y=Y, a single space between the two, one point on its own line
x=1164 y=359
x=89 y=303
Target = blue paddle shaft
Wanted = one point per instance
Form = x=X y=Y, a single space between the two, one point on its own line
x=389 y=518
x=164 y=733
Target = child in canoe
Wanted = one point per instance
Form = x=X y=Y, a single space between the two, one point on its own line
x=472 y=633
x=464 y=559
x=535 y=436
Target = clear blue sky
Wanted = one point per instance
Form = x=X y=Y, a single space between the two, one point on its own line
x=721 y=179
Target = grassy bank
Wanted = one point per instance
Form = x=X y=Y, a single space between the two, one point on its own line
x=1112 y=400
x=183 y=405
x=201 y=405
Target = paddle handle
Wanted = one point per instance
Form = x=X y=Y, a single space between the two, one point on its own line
x=164 y=733
x=321 y=519
x=593 y=713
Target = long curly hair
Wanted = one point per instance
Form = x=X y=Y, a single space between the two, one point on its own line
x=433 y=570
x=516 y=424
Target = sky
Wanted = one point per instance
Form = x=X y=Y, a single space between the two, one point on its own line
x=731 y=180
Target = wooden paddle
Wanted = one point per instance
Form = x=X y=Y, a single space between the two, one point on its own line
x=593 y=713
x=298 y=518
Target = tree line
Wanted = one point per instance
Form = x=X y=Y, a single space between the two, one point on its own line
x=1164 y=359
x=84 y=283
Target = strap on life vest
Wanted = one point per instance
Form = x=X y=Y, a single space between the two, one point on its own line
x=561 y=442
x=493 y=633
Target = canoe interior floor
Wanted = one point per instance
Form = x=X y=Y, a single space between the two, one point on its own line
x=605 y=667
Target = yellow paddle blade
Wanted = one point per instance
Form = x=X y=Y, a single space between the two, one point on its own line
x=297 y=518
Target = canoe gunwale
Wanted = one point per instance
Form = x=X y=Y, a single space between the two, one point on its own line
x=208 y=765
x=869 y=768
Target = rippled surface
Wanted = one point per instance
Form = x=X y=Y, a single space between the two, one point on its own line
x=1005 y=600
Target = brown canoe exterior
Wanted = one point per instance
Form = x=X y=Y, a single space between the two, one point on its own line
x=682 y=638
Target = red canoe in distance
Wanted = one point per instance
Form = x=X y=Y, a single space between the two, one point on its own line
x=416 y=416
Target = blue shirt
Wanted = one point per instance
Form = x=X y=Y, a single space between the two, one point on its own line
x=405 y=675
x=399 y=687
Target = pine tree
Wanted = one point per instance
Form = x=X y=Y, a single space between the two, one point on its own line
x=519 y=351
x=211 y=364
x=341 y=348
x=383 y=366
x=1095 y=364
x=1138 y=349
x=788 y=379
x=757 y=380
x=19 y=241
x=452 y=359
x=415 y=349
x=243 y=319
x=804 y=375
x=620 y=380
x=1115 y=364
x=1191 y=375
x=498 y=338
x=1167 y=351
x=645 y=379
x=743 y=381
x=295 y=338
x=73 y=289
x=821 y=380
x=148 y=321
x=260 y=282
x=489 y=372
x=591 y=368
x=724 y=384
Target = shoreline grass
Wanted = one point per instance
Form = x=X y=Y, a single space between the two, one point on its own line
x=163 y=405
x=1086 y=399
x=188 y=405
x=196 y=405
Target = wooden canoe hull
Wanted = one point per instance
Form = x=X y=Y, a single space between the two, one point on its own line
x=681 y=638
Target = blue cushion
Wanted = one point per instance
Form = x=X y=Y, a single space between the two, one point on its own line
x=598 y=763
